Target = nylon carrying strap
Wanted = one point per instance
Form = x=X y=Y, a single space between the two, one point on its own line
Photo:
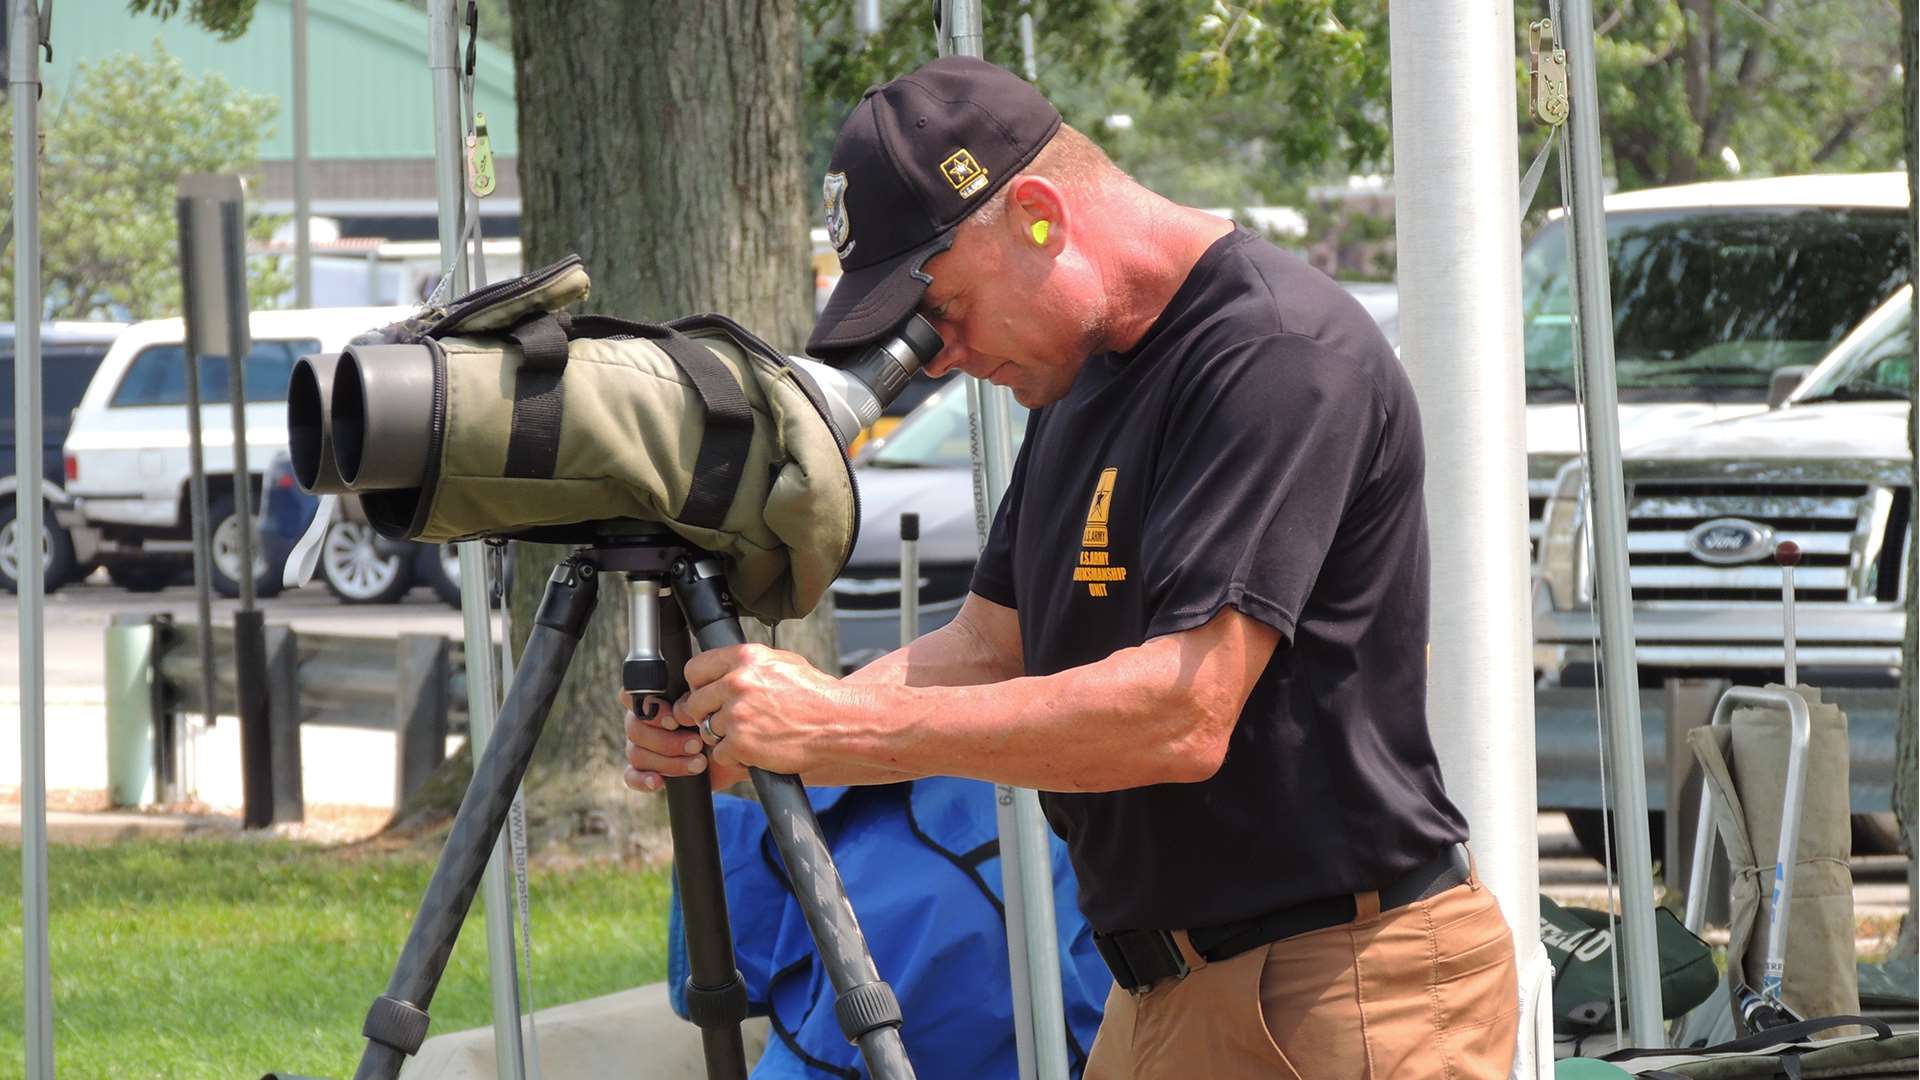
x=729 y=429
x=533 y=448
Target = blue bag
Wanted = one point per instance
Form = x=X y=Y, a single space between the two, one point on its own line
x=922 y=868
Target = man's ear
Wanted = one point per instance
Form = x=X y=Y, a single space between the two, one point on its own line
x=1037 y=212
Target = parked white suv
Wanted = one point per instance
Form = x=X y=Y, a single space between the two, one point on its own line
x=127 y=464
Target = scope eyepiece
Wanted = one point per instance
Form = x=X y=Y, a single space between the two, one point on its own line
x=858 y=385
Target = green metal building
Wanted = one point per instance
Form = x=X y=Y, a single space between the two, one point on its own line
x=370 y=101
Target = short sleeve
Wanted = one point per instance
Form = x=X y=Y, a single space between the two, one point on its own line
x=1265 y=447
x=993 y=574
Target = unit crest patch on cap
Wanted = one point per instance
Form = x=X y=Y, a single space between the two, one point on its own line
x=964 y=173
x=839 y=229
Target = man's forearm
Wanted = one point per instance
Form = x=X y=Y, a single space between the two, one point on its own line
x=1142 y=716
x=956 y=654
x=953 y=655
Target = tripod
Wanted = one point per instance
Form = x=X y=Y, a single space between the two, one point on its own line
x=674 y=593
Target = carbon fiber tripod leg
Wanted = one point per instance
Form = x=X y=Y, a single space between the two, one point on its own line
x=716 y=995
x=397 y=1022
x=869 y=1014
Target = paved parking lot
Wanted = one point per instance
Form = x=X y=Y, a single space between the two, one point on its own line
x=342 y=766
x=77 y=617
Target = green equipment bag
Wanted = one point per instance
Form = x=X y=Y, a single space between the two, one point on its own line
x=1580 y=944
x=1792 y=1052
x=554 y=420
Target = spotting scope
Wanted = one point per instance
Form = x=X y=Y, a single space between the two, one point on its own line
x=363 y=420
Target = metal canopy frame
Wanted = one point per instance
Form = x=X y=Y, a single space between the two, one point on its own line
x=1026 y=856
x=510 y=1057
x=24 y=86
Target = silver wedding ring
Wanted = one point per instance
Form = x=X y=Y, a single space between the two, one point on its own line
x=706 y=729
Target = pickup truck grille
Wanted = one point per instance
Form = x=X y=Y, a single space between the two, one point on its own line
x=1850 y=538
x=877 y=588
x=1538 y=492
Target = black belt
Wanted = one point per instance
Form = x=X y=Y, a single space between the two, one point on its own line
x=1140 y=958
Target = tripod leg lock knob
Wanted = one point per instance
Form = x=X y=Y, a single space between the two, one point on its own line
x=396 y=1023
x=865 y=1008
x=643 y=675
x=717 y=1006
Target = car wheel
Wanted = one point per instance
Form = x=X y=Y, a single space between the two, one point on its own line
x=1876 y=834
x=226 y=555
x=441 y=569
x=1587 y=829
x=354 y=569
x=56 y=548
x=142 y=577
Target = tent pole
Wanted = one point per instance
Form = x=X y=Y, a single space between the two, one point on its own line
x=449 y=137
x=1458 y=245
x=29 y=516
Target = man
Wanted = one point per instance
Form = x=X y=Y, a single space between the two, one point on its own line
x=1199 y=625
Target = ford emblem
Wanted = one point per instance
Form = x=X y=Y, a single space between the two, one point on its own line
x=1726 y=541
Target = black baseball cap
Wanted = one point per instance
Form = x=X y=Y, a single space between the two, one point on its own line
x=917 y=156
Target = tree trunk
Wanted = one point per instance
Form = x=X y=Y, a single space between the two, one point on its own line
x=1696 y=62
x=1906 y=763
x=661 y=142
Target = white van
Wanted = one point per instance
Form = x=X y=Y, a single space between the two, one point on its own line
x=127 y=465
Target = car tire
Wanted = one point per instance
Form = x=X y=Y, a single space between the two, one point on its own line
x=225 y=543
x=142 y=577
x=355 y=570
x=59 y=567
x=1588 y=830
x=1876 y=834
x=440 y=568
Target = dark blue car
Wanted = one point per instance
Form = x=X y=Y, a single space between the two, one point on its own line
x=70 y=352
x=356 y=564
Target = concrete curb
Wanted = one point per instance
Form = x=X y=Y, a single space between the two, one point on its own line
x=631 y=1033
x=111 y=826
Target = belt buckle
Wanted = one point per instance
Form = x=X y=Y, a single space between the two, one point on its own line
x=1116 y=960
x=1141 y=958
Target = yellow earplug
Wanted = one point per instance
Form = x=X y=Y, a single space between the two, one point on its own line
x=1040 y=233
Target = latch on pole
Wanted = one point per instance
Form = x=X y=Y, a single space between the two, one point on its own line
x=480 y=178
x=1547 y=94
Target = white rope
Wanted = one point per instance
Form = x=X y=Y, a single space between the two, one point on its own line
x=1585 y=504
x=517 y=812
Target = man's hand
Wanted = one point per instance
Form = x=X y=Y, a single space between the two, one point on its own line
x=659 y=747
x=765 y=706
x=760 y=704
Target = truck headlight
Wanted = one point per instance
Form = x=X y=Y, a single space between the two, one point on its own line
x=1563 y=540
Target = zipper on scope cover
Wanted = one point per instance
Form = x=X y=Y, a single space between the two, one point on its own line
x=489 y=295
x=436 y=441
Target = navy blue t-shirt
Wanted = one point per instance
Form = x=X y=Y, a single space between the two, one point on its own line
x=1259 y=449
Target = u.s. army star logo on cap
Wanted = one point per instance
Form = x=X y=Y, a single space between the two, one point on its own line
x=964 y=173
x=839 y=229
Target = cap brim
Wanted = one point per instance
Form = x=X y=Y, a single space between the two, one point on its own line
x=873 y=301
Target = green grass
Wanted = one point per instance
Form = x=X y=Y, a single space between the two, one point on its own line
x=227 y=958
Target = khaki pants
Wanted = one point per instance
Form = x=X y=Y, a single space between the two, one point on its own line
x=1425 y=990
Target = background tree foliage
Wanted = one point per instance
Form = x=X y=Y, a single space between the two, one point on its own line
x=115 y=148
x=1788 y=86
x=1228 y=104
x=227 y=18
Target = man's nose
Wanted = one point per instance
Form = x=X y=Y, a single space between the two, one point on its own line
x=948 y=358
